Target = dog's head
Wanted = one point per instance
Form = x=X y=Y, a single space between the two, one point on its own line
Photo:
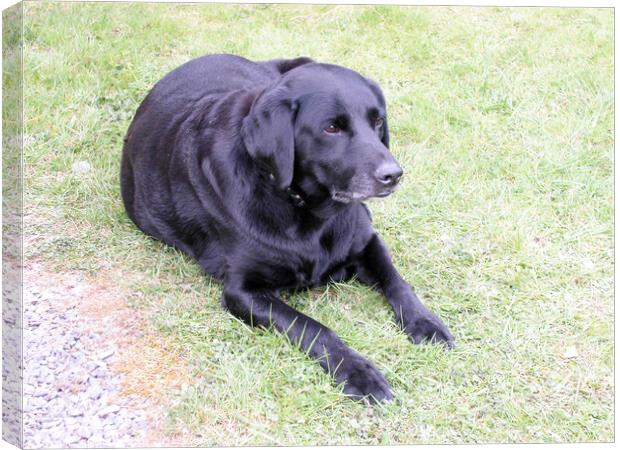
x=323 y=129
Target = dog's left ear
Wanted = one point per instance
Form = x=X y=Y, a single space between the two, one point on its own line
x=268 y=134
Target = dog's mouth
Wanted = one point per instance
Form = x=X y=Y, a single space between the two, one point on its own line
x=384 y=193
x=349 y=197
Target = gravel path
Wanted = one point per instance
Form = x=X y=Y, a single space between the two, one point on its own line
x=71 y=393
x=11 y=353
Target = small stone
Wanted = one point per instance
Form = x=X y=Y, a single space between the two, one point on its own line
x=570 y=353
x=57 y=434
x=99 y=372
x=84 y=432
x=81 y=167
x=40 y=392
x=105 y=355
x=109 y=410
x=74 y=412
x=51 y=395
x=72 y=439
x=97 y=437
x=111 y=436
x=101 y=363
x=94 y=392
x=46 y=425
x=71 y=422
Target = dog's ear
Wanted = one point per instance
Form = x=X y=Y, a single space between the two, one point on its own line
x=284 y=65
x=268 y=134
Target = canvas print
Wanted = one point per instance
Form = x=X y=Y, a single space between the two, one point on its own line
x=283 y=224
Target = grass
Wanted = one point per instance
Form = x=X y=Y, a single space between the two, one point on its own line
x=502 y=120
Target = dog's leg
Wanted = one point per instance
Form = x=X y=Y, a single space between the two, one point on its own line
x=361 y=378
x=375 y=267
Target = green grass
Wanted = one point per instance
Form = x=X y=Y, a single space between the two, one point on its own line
x=502 y=120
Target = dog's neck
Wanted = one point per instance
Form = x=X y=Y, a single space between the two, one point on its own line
x=308 y=198
x=318 y=203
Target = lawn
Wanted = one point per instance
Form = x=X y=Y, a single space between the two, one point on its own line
x=502 y=119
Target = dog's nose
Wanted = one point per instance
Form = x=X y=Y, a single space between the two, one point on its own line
x=389 y=174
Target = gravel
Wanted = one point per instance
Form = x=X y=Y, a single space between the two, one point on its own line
x=71 y=394
x=11 y=353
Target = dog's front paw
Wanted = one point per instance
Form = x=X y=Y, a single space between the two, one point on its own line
x=362 y=381
x=428 y=327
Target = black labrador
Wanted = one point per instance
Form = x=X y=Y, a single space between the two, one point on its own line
x=258 y=170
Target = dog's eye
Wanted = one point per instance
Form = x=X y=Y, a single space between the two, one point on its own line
x=332 y=128
x=378 y=122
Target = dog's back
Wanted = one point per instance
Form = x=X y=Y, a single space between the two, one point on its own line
x=211 y=74
x=208 y=75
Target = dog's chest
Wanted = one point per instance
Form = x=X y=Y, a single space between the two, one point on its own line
x=322 y=259
x=303 y=260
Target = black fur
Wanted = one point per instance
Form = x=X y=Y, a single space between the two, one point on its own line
x=237 y=164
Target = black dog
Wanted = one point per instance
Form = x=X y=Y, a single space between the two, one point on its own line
x=258 y=171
